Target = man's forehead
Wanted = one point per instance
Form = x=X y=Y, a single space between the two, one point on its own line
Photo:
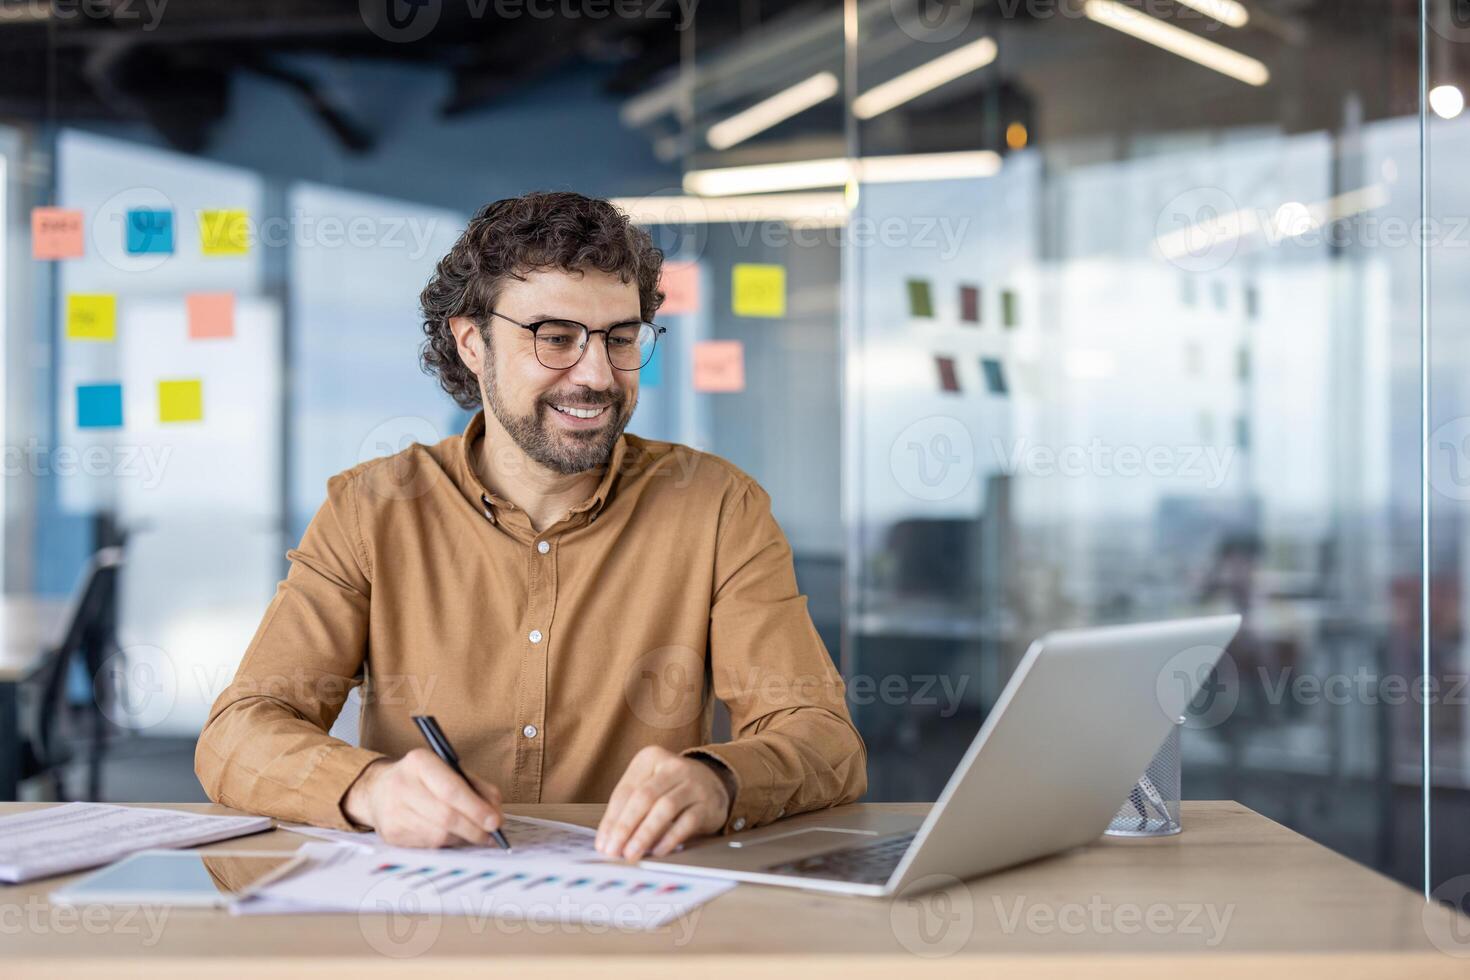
x=592 y=290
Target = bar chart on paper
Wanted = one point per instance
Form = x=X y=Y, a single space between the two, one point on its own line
x=453 y=882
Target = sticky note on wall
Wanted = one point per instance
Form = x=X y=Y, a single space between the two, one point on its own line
x=758 y=290
x=651 y=375
x=91 y=316
x=719 y=366
x=224 y=232
x=949 y=379
x=921 y=301
x=56 y=233
x=680 y=283
x=99 y=406
x=150 y=232
x=181 y=401
x=211 y=315
x=970 y=304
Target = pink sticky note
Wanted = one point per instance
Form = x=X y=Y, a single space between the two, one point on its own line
x=56 y=233
x=680 y=283
x=719 y=365
x=211 y=315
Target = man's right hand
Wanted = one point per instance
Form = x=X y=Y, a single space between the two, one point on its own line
x=419 y=801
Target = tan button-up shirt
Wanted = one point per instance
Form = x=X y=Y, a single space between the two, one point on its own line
x=548 y=658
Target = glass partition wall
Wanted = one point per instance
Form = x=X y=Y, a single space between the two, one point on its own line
x=1130 y=327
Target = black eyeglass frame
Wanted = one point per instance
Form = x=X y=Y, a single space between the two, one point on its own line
x=587 y=334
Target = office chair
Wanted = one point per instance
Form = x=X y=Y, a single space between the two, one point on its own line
x=91 y=634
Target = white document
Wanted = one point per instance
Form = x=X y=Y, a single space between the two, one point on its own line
x=528 y=836
x=73 y=836
x=454 y=881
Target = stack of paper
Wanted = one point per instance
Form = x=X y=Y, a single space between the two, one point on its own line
x=477 y=882
x=84 y=835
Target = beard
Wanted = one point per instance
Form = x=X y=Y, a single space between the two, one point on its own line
x=564 y=451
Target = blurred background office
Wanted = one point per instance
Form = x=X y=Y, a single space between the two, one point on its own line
x=1027 y=314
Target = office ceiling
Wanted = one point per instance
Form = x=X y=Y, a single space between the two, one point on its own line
x=170 y=64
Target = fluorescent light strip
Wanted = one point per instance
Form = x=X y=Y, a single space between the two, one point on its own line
x=925 y=78
x=818 y=210
x=1239 y=224
x=836 y=171
x=1217 y=57
x=768 y=112
x=1228 y=12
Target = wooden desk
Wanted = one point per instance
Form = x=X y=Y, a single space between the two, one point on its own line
x=1234 y=895
x=28 y=626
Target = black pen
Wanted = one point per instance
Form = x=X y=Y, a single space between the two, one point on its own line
x=435 y=737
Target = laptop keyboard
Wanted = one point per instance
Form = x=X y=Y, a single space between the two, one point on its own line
x=867 y=864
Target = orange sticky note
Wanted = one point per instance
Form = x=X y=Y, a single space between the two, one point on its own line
x=680 y=283
x=211 y=315
x=719 y=365
x=181 y=401
x=56 y=233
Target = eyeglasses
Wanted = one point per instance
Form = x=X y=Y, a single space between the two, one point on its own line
x=560 y=344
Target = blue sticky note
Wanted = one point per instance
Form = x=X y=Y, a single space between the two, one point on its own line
x=150 y=232
x=653 y=372
x=99 y=406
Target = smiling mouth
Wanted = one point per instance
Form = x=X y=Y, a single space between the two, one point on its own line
x=580 y=413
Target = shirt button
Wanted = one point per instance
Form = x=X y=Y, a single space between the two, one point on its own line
x=543 y=547
x=529 y=731
x=739 y=823
x=535 y=636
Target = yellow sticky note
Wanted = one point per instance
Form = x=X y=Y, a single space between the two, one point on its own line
x=91 y=316
x=758 y=290
x=224 y=232
x=181 y=401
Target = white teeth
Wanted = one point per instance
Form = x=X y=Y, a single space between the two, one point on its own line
x=581 y=413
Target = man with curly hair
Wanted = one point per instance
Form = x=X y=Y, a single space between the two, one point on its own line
x=567 y=600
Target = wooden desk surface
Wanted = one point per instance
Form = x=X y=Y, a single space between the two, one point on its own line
x=1236 y=894
x=28 y=625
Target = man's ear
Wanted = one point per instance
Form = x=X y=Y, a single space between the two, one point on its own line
x=469 y=342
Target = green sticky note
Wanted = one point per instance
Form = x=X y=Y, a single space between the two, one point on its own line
x=921 y=302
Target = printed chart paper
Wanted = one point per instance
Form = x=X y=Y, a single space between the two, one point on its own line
x=452 y=881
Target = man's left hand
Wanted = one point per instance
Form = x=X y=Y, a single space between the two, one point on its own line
x=662 y=800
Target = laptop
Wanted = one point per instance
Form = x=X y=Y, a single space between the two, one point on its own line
x=1076 y=726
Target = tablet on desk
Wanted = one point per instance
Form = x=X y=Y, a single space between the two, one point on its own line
x=201 y=879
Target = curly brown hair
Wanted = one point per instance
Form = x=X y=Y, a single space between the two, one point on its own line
x=511 y=237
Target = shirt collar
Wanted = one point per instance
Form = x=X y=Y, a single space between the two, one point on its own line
x=474 y=432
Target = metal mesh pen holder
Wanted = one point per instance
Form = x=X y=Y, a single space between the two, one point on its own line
x=1152 y=806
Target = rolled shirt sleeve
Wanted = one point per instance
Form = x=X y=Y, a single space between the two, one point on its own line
x=265 y=747
x=793 y=745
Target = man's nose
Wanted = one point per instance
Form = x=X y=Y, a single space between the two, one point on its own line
x=594 y=370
